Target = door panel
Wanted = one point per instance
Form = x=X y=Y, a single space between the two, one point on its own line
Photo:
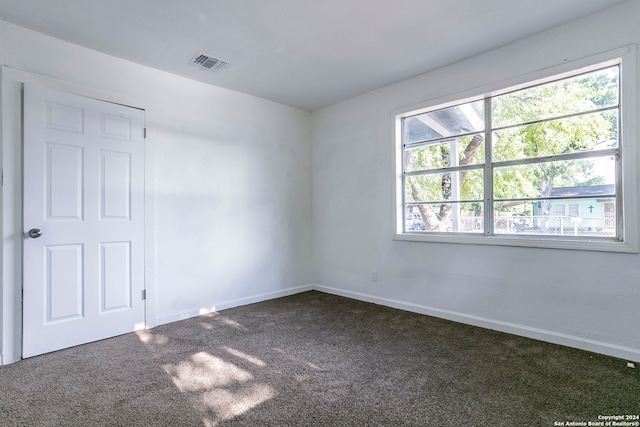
x=84 y=189
x=115 y=185
x=115 y=277
x=64 y=297
x=64 y=166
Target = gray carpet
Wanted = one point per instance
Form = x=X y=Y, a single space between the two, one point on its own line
x=316 y=360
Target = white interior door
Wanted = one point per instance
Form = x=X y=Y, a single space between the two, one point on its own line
x=83 y=265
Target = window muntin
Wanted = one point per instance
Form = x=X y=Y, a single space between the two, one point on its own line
x=548 y=144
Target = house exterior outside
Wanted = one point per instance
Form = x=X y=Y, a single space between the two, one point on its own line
x=583 y=215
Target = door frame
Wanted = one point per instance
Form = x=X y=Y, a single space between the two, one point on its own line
x=11 y=194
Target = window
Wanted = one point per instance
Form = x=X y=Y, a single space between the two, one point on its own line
x=574 y=210
x=542 y=162
x=570 y=209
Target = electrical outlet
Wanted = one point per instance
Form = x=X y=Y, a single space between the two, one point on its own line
x=374 y=276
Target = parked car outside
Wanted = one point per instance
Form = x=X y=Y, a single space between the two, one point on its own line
x=414 y=222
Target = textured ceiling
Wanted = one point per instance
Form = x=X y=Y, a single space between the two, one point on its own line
x=303 y=53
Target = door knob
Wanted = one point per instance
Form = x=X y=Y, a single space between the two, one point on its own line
x=34 y=233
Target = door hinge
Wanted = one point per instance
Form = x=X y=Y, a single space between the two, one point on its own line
x=145 y=133
x=144 y=295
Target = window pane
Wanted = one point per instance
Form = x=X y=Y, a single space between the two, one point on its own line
x=445 y=217
x=509 y=218
x=470 y=151
x=452 y=121
x=588 y=132
x=584 y=177
x=415 y=130
x=445 y=187
x=546 y=217
x=586 y=92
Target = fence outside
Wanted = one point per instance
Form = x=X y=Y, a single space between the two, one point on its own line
x=554 y=225
x=510 y=223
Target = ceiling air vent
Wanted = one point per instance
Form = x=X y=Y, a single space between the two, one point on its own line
x=207 y=61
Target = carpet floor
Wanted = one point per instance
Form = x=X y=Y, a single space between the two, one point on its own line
x=314 y=359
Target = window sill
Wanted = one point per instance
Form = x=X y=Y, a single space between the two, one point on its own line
x=528 y=242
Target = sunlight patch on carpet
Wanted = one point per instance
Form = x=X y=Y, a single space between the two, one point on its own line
x=218 y=388
x=244 y=356
x=226 y=404
x=203 y=372
x=146 y=337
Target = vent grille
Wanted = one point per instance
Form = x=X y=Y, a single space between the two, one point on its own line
x=208 y=62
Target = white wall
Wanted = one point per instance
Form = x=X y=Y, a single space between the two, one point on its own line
x=578 y=298
x=229 y=190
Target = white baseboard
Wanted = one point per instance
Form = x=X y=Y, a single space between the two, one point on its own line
x=600 y=347
x=233 y=303
x=621 y=352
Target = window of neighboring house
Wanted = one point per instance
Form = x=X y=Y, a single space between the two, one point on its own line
x=494 y=166
x=574 y=210
x=570 y=210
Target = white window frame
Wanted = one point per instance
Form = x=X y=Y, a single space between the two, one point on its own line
x=628 y=212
